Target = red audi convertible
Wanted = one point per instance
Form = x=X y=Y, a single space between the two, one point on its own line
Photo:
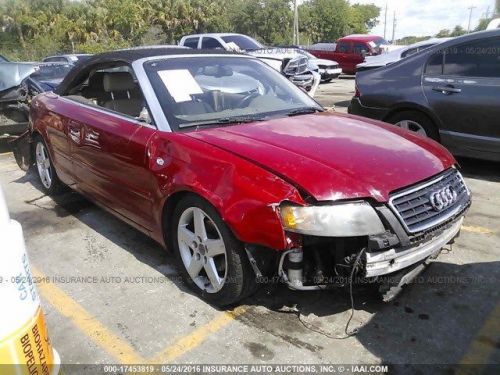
x=242 y=175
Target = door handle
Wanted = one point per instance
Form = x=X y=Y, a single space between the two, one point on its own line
x=74 y=131
x=447 y=90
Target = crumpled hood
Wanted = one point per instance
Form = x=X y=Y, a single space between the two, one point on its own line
x=334 y=156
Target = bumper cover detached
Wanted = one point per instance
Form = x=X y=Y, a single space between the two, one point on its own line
x=392 y=260
x=358 y=109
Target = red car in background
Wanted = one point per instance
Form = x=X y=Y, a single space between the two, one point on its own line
x=242 y=175
x=351 y=50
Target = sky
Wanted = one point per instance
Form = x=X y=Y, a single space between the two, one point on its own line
x=427 y=17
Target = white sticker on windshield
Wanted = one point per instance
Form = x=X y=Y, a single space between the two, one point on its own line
x=180 y=84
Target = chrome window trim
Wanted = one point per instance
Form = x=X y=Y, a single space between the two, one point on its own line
x=423 y=186
x=148 y=91
x=108 y=112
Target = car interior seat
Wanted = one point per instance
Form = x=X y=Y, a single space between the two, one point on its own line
x=124 y=93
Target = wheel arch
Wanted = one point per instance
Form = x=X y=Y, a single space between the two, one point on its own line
x=413 y=107
x=167 y=214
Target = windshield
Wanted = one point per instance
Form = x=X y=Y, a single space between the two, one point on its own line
x=378 y=42
x=243 y=42
x=51 y=72
x=200 y=91
x=83 y=57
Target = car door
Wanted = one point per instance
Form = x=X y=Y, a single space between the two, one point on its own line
x=462 y=87
x=110 y=152
x=342 y=56
x=359 y=51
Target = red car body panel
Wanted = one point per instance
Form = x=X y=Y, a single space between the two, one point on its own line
x=348 y=59
x=244 y=171
x=335 y=157
x=114 y=162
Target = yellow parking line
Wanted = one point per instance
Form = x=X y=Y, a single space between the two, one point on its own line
x=194 y=339
x=477 y=229
x=87 y=323
x=485 y=341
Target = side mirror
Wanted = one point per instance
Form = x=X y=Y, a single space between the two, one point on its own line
x=144 y=116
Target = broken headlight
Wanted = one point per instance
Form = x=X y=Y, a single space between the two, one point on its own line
x=335 y=220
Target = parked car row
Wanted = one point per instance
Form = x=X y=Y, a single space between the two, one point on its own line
x=242 y=175
x=294 y=64
x=300 y=67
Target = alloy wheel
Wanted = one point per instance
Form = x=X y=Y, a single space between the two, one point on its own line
x=202 y=250
x=43 y=165
x=412 y=126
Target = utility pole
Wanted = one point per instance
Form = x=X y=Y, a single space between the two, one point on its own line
x=470 y=16
x=393 y=27
x=385 y=21
x=295 y=23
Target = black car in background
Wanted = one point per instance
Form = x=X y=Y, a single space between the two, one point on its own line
x=449 y=92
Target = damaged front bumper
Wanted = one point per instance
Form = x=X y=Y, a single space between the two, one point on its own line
x=392 y=260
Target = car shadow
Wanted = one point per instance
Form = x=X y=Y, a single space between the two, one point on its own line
x=433 y=321
x=71 y=203
x=480 y=169
x=342 y=103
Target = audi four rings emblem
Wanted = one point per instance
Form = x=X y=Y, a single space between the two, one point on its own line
x=443 y=198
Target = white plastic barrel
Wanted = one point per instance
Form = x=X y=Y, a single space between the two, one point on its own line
x=25 y=347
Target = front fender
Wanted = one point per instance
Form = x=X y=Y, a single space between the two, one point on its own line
x=243 y=193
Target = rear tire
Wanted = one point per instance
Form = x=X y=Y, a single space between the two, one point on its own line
x=415 y=121
x=51 y=185
x=213 y=263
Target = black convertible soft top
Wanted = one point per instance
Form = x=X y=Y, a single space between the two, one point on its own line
x=128 y=56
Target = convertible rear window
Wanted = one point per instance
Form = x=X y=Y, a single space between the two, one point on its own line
x=211 y=90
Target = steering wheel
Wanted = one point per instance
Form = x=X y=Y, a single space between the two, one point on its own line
x=247 y=99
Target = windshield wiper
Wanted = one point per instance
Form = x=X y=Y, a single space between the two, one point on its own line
x=224 y=120
x=304 y=111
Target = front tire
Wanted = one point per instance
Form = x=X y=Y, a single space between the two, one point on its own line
x=51 y=185
x=415 y=121
x=212 y=261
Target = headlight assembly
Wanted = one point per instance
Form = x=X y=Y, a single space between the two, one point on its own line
x=336 y=220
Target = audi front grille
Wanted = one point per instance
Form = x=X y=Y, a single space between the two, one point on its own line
x=429 y=204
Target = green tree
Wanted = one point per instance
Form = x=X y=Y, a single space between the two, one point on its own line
x=457 y=31
x=328 y=20
x=444 y=33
